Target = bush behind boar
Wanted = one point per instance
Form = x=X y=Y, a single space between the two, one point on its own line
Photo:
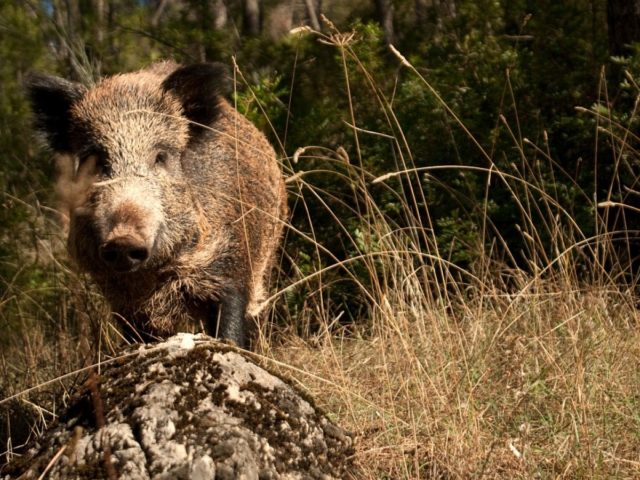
x=176 y=202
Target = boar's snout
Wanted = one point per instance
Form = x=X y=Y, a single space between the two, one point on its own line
x=124 y=254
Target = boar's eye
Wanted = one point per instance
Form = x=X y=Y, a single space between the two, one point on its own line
x=95 y=160
x=161 y=158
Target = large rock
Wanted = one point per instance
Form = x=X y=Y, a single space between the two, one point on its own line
x=188 y=408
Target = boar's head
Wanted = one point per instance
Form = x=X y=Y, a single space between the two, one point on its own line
x=128 y=138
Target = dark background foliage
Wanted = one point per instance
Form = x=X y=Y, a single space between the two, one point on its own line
x=512 y=71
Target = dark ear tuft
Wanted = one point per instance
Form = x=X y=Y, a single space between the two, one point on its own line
x=51 y=100
x=199 y=87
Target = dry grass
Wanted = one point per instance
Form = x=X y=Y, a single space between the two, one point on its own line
x=490 y=372
x=538 y=385
x=493 y=372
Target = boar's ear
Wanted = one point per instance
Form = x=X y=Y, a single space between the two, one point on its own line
x=199 y=88
x=51 y=100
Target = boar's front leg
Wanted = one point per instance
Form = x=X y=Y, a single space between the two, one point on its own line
x=231 y=321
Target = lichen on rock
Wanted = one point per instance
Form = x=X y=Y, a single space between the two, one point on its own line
x=189 y=408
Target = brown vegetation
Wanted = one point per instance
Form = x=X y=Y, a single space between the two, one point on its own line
x=519 y=362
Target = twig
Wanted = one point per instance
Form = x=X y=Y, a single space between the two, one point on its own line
x=98 y=409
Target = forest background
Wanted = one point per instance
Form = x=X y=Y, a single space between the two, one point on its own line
x=464 y=218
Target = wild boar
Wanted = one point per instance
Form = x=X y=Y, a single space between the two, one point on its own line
x=176 y=202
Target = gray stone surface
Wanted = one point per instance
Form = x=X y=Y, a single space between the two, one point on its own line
x=189 y=408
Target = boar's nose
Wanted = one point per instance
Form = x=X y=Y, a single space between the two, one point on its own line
x=124 y=254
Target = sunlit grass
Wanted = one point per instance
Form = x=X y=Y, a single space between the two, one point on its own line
x=494 y=371
x=502 y=369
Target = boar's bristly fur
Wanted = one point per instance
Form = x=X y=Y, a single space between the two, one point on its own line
x=176 y=202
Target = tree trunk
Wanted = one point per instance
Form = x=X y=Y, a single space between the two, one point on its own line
x=447 y=9
x=158 y=10
x=434 y=17
x=313 y=12
x=220 y=14
x=421 y=9
x=252 y=23
x=100 y=7
x=66 y=16
x=623 y=19
x=385 y=14
x=73 y=15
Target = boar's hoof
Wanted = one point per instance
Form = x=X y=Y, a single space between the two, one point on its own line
x=124 y=254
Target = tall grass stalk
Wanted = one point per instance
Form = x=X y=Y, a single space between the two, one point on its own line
x=502 y=369
x=494 y=371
